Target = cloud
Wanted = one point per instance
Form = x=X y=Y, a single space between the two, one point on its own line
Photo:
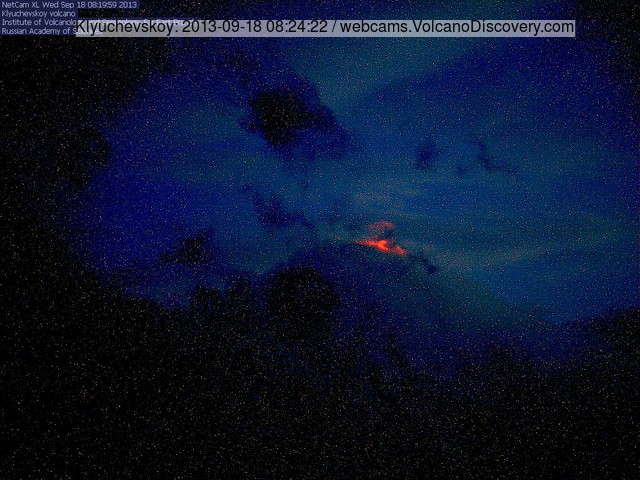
x=194 y=250
x=272 y=213
x=292 y=120
x=427 y=156
x=486 y=161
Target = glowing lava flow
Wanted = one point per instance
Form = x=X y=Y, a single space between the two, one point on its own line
x=382 y=239
x=385 y=246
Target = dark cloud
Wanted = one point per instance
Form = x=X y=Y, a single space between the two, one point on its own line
x=427 y=156
x=426 y=263
x=490 y=164
x=292 y=120
x=272 y=213
x=196 y=250
x=484 y=160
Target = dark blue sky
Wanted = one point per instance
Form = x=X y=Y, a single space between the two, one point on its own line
x=511 y=164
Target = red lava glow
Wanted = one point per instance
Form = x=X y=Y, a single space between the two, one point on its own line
x=382 y=239
x=385 y=246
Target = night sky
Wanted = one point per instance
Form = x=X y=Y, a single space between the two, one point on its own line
x=510 y=163
x=324 y=258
